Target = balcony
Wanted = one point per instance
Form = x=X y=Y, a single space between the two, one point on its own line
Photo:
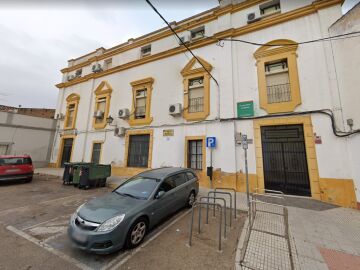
x=196 y=105
x=278 y=93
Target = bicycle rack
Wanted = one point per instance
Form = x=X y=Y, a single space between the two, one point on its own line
x=214 y=197
x=207 y=212
x=234 y=190
x=192 y=219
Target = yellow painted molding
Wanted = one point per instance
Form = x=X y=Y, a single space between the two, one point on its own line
x=61 y=148
x=127 y=141
x=147 y=84
x=126 y=171
x=52 y=165
x=265 y=23
x=338 y=191
x=72 y=99
x=189 y=73
x=186 y=152
x=103 y=90
x=309 y=146
x=267 y=54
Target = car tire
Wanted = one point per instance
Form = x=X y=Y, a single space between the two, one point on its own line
x=137 y=233
x=191 y=199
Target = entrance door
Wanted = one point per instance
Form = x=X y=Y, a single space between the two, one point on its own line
x=284 y=158
x=66 y=152
x=138 y=152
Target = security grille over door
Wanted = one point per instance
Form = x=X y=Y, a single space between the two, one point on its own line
x=284 y=158
x=138 y=154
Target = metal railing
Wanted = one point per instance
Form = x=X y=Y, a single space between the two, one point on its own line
x=259 y=232
x=140 y=112
x=279 y=93
x=207 y=212
x=214 y=197
x=196 y=104
x=234 y=192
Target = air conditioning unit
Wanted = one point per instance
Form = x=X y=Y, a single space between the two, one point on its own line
x=184 y=39
x=99 y=114
x=60 y=116
x=252 y=17
x=70 y=77
x=96 y=68
x=119 y=131
x=124 y=113
x=175 y=109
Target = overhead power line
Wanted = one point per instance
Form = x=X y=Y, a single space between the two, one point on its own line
x=182 y=43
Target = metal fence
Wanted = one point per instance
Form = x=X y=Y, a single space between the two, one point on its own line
x=279 y=93
x=196 y=104
x=267 y=240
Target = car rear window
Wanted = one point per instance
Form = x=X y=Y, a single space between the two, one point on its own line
x=15 y=161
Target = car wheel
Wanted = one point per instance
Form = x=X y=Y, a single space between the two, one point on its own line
x=191 y=199
x=136 y=233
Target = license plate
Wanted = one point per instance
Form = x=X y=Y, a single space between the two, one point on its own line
x=12 y=170
x=79 y=237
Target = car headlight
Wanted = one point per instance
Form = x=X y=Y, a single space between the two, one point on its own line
x=111 y=223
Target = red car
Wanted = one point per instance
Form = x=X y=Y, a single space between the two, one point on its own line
x=16 y=168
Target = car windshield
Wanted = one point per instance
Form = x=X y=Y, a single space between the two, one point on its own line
x=138 y=187
x=14 y=161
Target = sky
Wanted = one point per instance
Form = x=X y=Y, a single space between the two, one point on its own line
x=39 y=36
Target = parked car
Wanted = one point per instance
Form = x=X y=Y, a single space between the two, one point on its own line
x=123 y=217
x=16 y=168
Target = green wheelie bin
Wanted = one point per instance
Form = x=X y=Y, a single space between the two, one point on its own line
x=94 y=175
x=72 y=172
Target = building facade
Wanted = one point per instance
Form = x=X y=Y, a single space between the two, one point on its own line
x=149 y=103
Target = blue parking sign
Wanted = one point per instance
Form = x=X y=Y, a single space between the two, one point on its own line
x=211 y=142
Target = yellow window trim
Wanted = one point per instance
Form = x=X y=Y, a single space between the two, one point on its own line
x=147 y=84
x=60 y=151
x=268 y=54
x=127 y=141
x=101 y=150
x=309 y=146
x=104 y=90
x=188 y=73
x=72 y=99
x=191 y=138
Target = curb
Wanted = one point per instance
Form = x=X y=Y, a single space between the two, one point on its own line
x=241 y=244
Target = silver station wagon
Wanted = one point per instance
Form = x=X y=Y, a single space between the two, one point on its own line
x=123 y=217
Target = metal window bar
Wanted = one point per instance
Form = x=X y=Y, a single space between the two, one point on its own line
x=140 y=112
x=196 y=104
x=207 y=212
x=225 y=193
x=195 y=154
x=138 y=153
x=192 y=220
x=278 y=93
x=252 y=214
x=234 y=190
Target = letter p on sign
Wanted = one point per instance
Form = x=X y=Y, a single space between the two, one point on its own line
x=211 y=142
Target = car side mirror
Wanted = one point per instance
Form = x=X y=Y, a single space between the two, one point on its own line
x=159 y=194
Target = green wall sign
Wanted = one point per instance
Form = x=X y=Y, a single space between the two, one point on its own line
x=245 y=109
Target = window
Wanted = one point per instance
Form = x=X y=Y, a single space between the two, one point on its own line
x=270 y=8
x=167 y=185
x=195 y=156
x=3 y=149
x=197 y=33
x=179 y=179
x=15 y=161
x=102 y=104
x=138 y=187
x=196 y=95
x=190 y=175
x=196 y=90
x=78 y=73
x=108 y=64
x=278 y=81
x=96 y=152
x=145 y=51
x=141 y=105
x=71 y=111
x=138 y=152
